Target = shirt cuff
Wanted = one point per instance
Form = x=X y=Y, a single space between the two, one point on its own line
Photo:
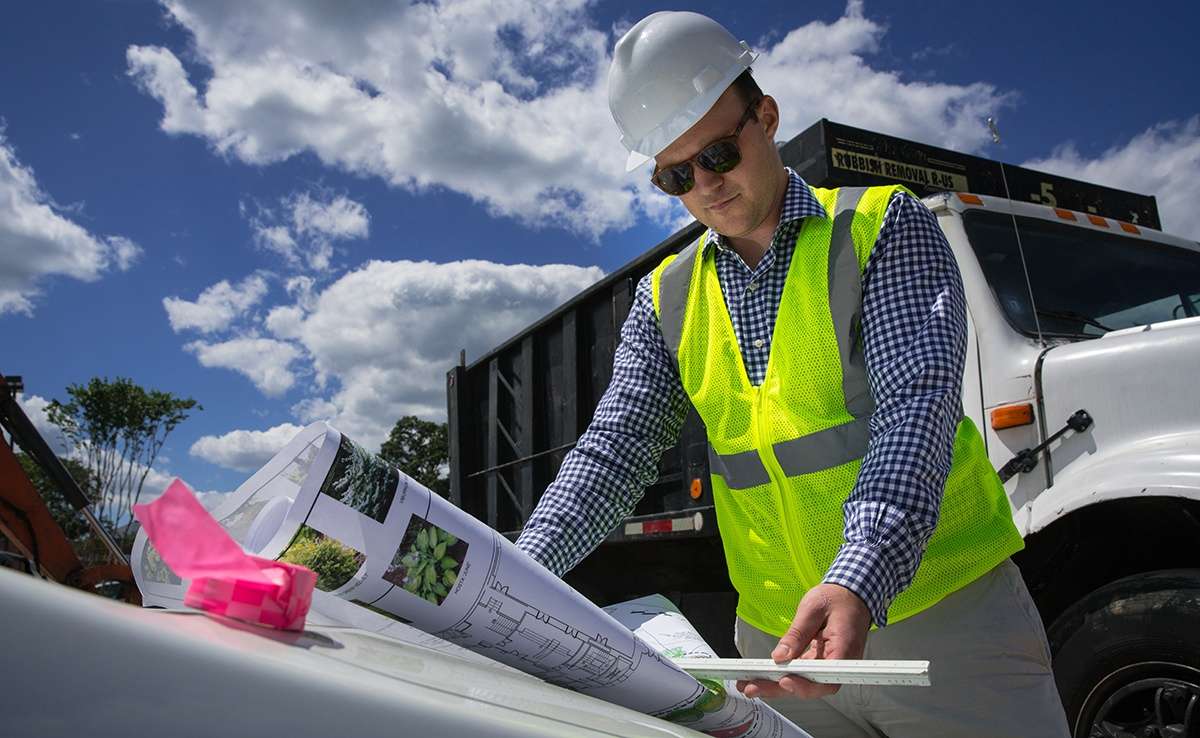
x=865 y=570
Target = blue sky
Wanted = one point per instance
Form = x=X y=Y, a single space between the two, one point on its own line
x=289 y=213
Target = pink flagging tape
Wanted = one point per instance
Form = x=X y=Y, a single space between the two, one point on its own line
x=225 y=579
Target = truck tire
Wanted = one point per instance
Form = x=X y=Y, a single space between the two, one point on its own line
x=1127 y=657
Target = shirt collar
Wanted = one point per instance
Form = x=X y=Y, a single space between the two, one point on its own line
x=798 y=203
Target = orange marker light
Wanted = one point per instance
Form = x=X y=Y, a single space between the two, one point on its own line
x=1097 y=220
x=970 y=199
x=1129 y=228
x=1065 y=214
x=697 y=489
x=1012 y=416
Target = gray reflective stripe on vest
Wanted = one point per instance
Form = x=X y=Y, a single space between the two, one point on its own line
x=738 y=470
x=840 y=444
x=845 y=303
x=673 y=287
x=815 y=452
x=824 y=449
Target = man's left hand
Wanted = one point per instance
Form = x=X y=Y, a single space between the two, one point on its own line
x=831 y=623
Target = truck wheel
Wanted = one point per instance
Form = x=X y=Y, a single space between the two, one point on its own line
x=1127 y=658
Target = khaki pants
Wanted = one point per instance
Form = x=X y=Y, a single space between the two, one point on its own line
x=989 y=665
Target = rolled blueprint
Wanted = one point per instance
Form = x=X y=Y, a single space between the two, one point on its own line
x=378 y=538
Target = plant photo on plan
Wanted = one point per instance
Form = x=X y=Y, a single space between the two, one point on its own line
x=427 y=561
x=362 y=480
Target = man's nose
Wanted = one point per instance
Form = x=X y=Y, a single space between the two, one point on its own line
x=706 y=180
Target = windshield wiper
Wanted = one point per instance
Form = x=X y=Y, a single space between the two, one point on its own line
x=1072 y=315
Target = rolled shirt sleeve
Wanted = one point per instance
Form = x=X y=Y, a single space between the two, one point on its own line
x=914 y=341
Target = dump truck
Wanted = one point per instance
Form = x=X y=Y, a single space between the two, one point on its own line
x=1083 y=330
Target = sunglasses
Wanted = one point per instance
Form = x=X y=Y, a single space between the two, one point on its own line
x=719 y=157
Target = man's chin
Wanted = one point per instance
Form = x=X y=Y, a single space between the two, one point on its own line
x=725 y=225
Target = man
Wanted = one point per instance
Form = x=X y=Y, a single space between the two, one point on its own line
x=821 y=337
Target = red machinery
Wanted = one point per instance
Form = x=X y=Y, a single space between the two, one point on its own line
x=25 y=520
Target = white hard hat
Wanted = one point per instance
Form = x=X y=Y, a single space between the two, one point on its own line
x=666 y=73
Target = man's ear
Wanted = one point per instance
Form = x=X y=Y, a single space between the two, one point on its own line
x=768 y=116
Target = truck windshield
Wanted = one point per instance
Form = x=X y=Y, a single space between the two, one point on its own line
x=1085 y=282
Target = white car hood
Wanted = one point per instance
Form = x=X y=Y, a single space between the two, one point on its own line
x=78 y=664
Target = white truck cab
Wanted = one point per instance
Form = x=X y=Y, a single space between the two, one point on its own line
x=1073 y=312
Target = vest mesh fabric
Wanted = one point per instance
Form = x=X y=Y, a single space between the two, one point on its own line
x=781 y=537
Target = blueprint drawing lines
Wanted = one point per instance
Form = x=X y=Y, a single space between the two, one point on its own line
x=500 y=621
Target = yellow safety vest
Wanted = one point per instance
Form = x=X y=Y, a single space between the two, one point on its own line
x=785 y=455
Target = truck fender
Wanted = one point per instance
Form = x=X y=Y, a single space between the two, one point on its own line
x=1163 y=466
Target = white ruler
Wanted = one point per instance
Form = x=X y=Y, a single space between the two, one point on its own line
x=825 y=671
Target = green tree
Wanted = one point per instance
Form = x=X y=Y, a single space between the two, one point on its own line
x=116 y=429
x=421 y=450
x=67 y=517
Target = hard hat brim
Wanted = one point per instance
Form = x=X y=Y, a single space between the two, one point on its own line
x=635 y=161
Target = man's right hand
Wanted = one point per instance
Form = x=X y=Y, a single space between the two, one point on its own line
x=831 y=623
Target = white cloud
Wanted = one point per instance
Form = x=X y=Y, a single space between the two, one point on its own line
x=285 y=321
x=314 y=409
x=124 y=251
x=1163 y=161
x=244 y=450
x=39 y=242
x=304 y=229
x=264 y=361
x=217 y=306
x=340 y=217
x=820 y=70
x=384 y=336
x=301 y=290
x=932 y=51
x=157 y=482
x=276 y=239
x=162 y=75
x=445 y=94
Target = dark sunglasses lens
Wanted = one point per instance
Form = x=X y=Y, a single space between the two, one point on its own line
x=676 y=180
x=720 y=157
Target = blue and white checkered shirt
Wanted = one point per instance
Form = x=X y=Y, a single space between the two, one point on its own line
x=914 y=342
